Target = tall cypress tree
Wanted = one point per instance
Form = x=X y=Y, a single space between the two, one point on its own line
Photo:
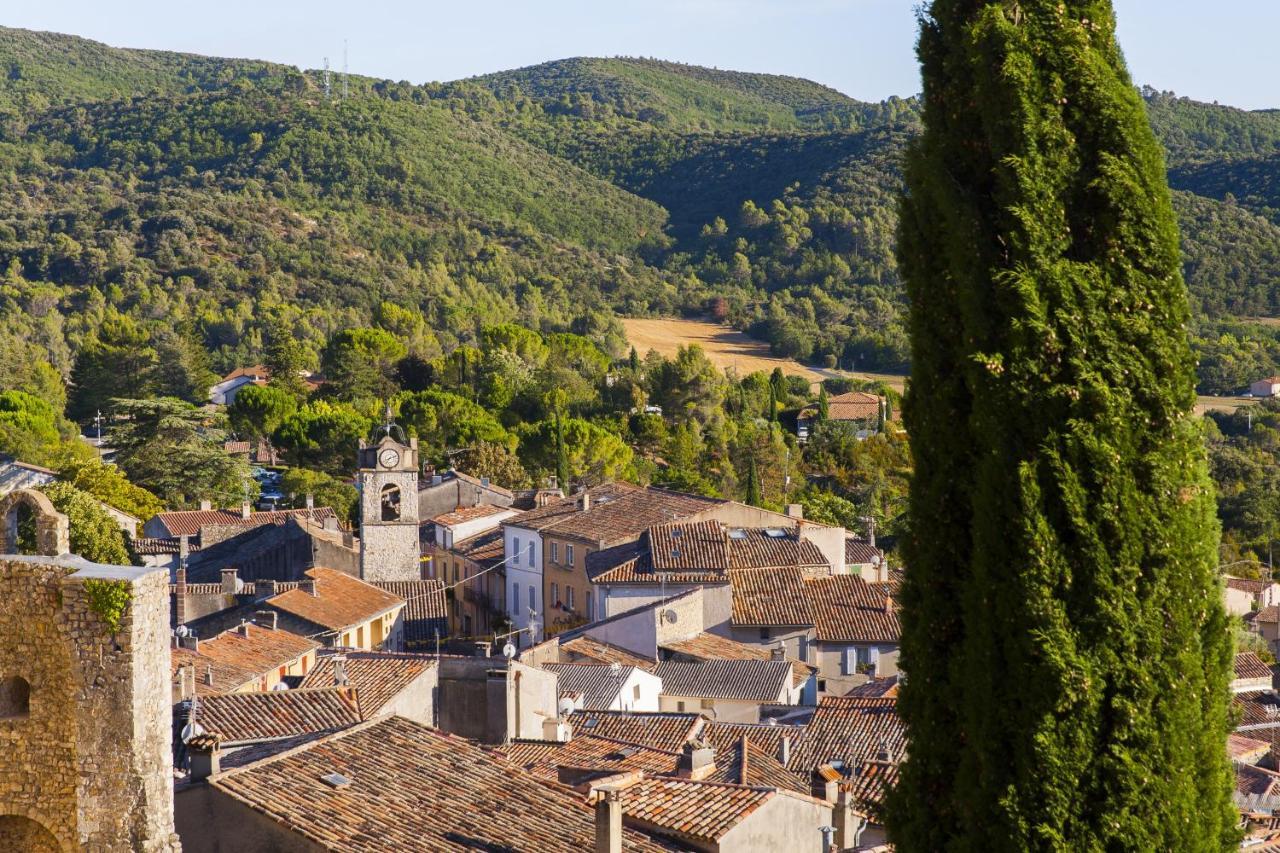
x=1066 y=651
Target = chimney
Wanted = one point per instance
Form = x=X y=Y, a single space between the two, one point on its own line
x=436 y=479
x=311 y=501
x=192 y=642
x=330 y=523
x=243 y=629
x=246 y=510
x=883 y=754
x=266 y=618
x=888 y=603
x=795 y=511
x=848 y=826
x=206 y=504
x=180 y=596
x=230 y=583
x=697 y=761
x=584 y=500
x=263 y=589
x=871 y=530
x=483 y=649
x=778 y=653
x=308 y=585
x=784 y=750
x=184 y=550
x=608 y=820
x=556 y=730
x=208 y=674
x=204 y=751
x=186 y=682
x=340 y=671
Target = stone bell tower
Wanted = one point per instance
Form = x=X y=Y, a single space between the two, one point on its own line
x=388 y=482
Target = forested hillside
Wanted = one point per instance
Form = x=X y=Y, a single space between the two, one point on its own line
x=213 y=197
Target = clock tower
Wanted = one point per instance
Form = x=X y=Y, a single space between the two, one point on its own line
x=388 y=483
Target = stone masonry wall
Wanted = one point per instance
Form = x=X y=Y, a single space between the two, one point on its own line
x=91 y=762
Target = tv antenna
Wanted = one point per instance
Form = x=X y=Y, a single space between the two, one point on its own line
x=328 y=87
x=344 y=69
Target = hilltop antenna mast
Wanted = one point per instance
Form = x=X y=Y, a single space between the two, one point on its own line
x=328 y=89
x=344 y=69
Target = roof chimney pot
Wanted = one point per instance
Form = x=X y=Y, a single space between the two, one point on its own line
x=246 y=510
x=206 y=504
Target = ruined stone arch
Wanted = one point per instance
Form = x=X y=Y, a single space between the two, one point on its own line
x=53 y=532
x=23 y=833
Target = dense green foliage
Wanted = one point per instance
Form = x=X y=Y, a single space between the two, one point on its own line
x=1066 y=650
x=94 y=533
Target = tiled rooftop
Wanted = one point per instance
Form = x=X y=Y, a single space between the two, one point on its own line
x=413 y=788
x=377 y=676
x=702 y=812
x=745 y=763
x=746 y=680
x=256 y=648
x=770 y=597
x=764 y=736
x=876 y=688
x=189 y=522
x=846 y=608
x=424 y=611
x=1258 y=709
x=597 y=651
x=340 y=602
x=468 y=513
x=1249 y=665
x=705 y=646
x=589 y=753
x=1240 y=746
x=596 y=682
x=663 y=730
x=225 y=677
x=247 y=717
x=1250 y=585
x=850 y=731
x=857 y=551
x=618 y=511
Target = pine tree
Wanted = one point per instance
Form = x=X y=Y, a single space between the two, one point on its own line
x=285 y=358
x=754 y=490
x=824 y=406
x=1065 y=648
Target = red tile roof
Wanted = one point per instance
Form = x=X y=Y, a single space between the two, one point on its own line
x=663 y=730
x=189 y=522
x=341 y=601
x=245 y=717
x=425 y=612
x=469 y=513
x=413 y=788
x=850 y=731
x=597 y=651
x=876 y=688
x=770 y=597
x=256 y=648
x=225 y=677
x=706 y=646
x=1250 y=585
x=846 y=608
x=853 y=406
x=703 y=812
x=1240 y=747
x=378 y=677
x=1249 y=665
x=858 y=551
x=745 y=680
x=589 y=753
x=1259 y=709
x=618 y=512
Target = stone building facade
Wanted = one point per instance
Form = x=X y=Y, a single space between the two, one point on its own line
x=85 y=720
x=388 y=482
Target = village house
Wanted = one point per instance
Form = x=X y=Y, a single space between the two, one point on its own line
x=1243 y=595
x=464 y=552
x=339 y=610
x=211 y=525
x=1268 y=387
x=385 y=682
x=250 y=657
x=223 y=392
x=858 y=410
x=728 y=690
x=602 y=687
x=442 y=492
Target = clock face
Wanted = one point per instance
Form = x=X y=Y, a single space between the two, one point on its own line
x=389 y=458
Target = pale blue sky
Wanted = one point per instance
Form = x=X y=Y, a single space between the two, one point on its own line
x=1224 y=50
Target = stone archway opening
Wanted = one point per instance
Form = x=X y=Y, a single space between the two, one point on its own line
x=29 y=523
x=15 y=698
x=23 y=833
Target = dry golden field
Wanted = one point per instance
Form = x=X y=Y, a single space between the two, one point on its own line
x=727 y=348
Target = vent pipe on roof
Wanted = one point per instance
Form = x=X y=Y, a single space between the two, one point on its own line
x=208 y=674
x=584 y=500
x=784 y=750
x=204 y=751
x=243 y=629
x=871 y=530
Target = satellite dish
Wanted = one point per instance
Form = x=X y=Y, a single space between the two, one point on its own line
x=508 y=651
x=190 y=730
x=670 y=617
x=773 y=721
x=615 y=668
x=182 y=631
x=566 y=706
x=877 y=560
x=280 y=685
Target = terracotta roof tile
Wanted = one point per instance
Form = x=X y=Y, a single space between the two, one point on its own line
x=857 y=551
x=700 y=811
x=340 y=602
x=424 y=613
x=853 y=406
x=746 y=680
x=589 y=755
x=1240 y=747
x=770 y=597
x=412 y=788
x=1250 y=585
x=1270 y=613
x=1257 y=782
x=705 y=646
x=876 y=688
x=256 y=648
x=663 y=730
x=618 y=511
x=745 y=763
x=485 y=550
x=869 y=781
x=764 y=736
x=846 y=608
x=702 y=552
x=247 y=717
x=189 y=522
x=378 y=677
x=469 y=513
x=226 y=677
x=850 y=731
x=1249 y=665
x=1259 y=709
x=598 y=651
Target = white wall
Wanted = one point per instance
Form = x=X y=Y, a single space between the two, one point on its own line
x=650 y=688
x=446 y=536
x=521 y=571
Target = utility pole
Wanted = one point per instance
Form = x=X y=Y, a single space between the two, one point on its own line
x=328 y=87
x=344 y=69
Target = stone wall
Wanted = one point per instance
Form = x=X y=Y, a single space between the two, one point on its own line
x=90 y=762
